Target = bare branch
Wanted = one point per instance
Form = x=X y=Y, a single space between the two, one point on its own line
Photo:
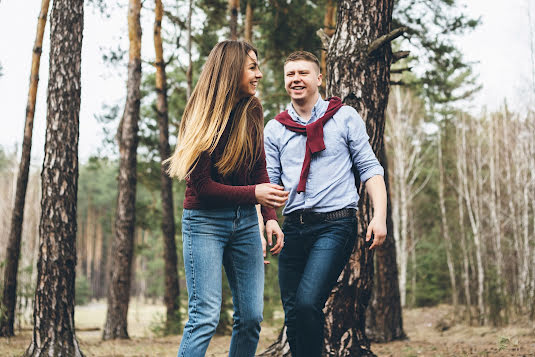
x=396 y=56
x=175 y=19
x=325 y=39
x=400 y=70
x=383 y=40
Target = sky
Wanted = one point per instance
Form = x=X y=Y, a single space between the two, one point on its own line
x=499 y=47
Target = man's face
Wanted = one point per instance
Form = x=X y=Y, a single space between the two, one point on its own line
x=301 y=80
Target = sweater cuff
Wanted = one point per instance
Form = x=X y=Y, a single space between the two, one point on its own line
x=250 y=194
x=268 y=213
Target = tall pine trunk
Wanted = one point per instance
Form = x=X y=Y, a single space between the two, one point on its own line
x=358 y=71
x=127 y=136
x=249 y=22
x=9 y=297
x=234 y=8
x=168 y=223
x=53 y=332
x=189 y=72
x=329 y=23
x=384 y=314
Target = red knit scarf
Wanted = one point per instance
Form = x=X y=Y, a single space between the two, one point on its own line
x=314 y=133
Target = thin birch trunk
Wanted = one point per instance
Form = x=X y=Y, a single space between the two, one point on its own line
x=470 y=196
x=444 y=221
x=464 y=247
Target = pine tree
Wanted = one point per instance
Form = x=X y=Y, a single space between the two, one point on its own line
x=127 y=136
x=53 y=332
x=9 y=291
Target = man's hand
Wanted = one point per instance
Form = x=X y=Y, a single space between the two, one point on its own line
x=273 y=229
x=377 y=226
x=377 y=191
x=262 y=229
x=266 y=262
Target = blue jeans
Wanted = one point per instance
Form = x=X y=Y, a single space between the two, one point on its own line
x=230 y=237
x=313 y=257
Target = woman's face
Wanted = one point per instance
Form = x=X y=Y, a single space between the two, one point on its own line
x=251 y=75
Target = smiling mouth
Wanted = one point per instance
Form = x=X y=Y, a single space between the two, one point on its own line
x=298 y=88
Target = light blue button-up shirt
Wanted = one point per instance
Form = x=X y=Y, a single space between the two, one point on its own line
x=331 y=184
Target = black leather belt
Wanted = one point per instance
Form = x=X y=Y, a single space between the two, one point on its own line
x=304 y=216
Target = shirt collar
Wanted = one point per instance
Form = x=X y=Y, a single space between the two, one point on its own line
x=317 y=111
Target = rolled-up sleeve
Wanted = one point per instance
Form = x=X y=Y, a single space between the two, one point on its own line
x=362 y=155
x=272 y=152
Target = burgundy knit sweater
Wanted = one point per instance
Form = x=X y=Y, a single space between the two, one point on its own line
x=207 y=189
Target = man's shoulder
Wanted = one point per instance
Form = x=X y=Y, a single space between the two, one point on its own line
x=273 y=126
x=347 y=111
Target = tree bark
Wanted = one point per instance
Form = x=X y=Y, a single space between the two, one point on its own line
x=383 y=317
x=234 y=7
x=329 y=23
x=362 y=81
x=127 y=135
x=249 y=22
x=189 y=72
x=9 y=297
x=172 y=291
x=54 y=332
x=444 y=224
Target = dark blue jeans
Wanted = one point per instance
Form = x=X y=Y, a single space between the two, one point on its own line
x=309 y=265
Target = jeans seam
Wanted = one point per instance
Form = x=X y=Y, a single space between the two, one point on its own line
x=239 y=300
x=194 y=298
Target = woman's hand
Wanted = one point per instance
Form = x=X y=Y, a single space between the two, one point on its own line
x=270 y=195
x=273 y=229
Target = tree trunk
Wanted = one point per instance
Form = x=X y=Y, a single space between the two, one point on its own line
x=329 y=23
x=127 y=135
x=54 y=333
x=471 y=199
x=234 y=7
x=444 y=221
x=383 y=317
x=172 y=291
x=89 y=240
x=249 y=22
x=362 y=79
x=189 y=73
x=9 y=298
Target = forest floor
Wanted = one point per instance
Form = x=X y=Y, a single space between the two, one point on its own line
x=421 y=325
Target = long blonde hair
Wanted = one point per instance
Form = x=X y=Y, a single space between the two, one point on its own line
x=208 y=112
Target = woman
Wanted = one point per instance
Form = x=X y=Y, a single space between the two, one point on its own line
x=220 y=154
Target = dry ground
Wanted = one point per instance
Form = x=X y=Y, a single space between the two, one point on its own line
x=424 y=338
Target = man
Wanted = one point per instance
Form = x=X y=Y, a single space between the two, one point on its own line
x=311 y=150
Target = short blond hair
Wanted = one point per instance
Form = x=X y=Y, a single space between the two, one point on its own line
x=303 y=56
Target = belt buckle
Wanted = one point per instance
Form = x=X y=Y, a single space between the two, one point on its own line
x=301 y=218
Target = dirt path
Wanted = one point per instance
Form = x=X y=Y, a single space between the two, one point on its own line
x=420 y=325
x=425 y=339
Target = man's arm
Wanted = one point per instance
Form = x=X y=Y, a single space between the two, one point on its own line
x=376 y=188
x=271 y=149
x=371 y=172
